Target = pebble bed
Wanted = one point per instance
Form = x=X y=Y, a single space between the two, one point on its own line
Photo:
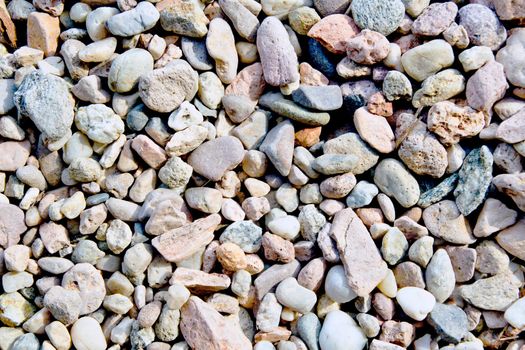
x=262 y=174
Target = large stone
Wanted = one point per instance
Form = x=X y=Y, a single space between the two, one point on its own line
x=424 y=60
x=278 y=145
x=378 y=15
x=213 y=158
x=350 y=143
x=364 y=267
x=181 y=243
x=512 y=239
x=341 y=332
x=512 y=55
x=13 y=155
x=99 y=123
x=205 y=328
x=449 y=321
x=135 y=21
x=12 y=224
x=88 y=281
x=278 y=58
x=487 y=86
x=439 y=87
x=183 y=17
x=474 y=180
x=482 y=25
x=127 y=69
x=445 y=221
x=46 y=100
x=494 y=216
x=494 y=293
x=333 y=31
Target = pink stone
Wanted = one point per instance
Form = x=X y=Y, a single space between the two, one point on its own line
x=334 y=31
x=368 y=47
x=248 y=82
x=512 y=130
x=435 y=19
x=487 y=86
x=13 y=155
x=149 y=151
x=54 y=236
x=375 y=130
x=12 y=224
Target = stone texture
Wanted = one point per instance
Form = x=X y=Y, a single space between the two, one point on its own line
x=333 y=31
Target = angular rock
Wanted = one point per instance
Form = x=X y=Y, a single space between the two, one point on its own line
x=487 y=86
x=494 y=293
x=494 y=216
x=444 y=220
x=278 y=145
x=333 y=31
x=322 y=98
x=512 y=239
x=449 y=321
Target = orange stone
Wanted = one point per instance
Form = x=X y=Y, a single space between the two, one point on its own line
x=308 y=137
x=43 y=31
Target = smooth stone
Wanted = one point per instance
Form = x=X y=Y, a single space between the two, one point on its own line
x=351 y=143
x=394 y=180
x=486 y=86
x=494 y=216
x=444 y=220
x=278 y=104
x=415 y=302
x=278 y=146
x=341 y=332
x=424 y=60
x=196 y=54
x=294 y=296
x=220 y=43
x=203 y=160
x=336 y=285
x=512 y=239
x=87 y=334
x=439 y=276
x=362 y=194
x=322 y=98
x=449 y=321
x=511 y=57
x=515 y=314
x=127 y=69
x=135 y=21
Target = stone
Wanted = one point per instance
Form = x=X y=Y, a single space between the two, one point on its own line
x=394 y=180
x=14 y=309
x=180 y=243
x=475 y=177
x=415 y=302
x=439 y=276
x=244 y=21
x=424 y=60
x=204 y=327
x=362 y=194
x=278 y=58
x=46 y=100
x=340 y=331
x=135 y=21
x=375 y=130
x=226 y=148
x=510 y=130
x=124 y=75
x=394 y=246
x=333 y=31
x=482 y=25
x=336 y=285
x=43 y=31
x=511 y=185
x=510 y=57
x=99 y=123
x=294 y=296
x=326 y=8
x=220 y=43
x=182 y=17
x=63 y=304
x=165 y=89
x=85 y=170
x=493 y=293
x=368 y=47
x=475 y=57
x=420 y=150
x=90 y=89
x=494 y=216
x=439 y=87
x=382 y=17
x=438 y=192
x=13 y=155
x=435 y=19
x=463 y=261
x=421 y=250
x=98 y=51
x=278 y=146
x=514 y=314
x=512 y=239
x=86 y=334
x=88 y=282
x=357 y=250
x=453 y=123
x=245 y=234
x=278 y=104
x=196 y=54
x=396 y=86
x=444 y=220
x=491 y=258
x=449 y=321
x=486 y=86
x=322 y=98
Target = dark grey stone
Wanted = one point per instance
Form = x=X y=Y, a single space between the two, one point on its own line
x=322 y=98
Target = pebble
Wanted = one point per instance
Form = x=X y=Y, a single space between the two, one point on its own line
x=438 y=54
x=482 y=25
x=322 y=98
x=415 y=302
x=491 y=258
x=367 y=47
x=183 y=18
x=449 y=321
x=475 y=177
x=340 y=331
x=221 y=47
x=244 y=21
x=333 y=32
x=278 y=59
x=245 y=234
x=486 y=86
x=510 y=129
x=493 y=293
x=99 y=123
x=494 y=216
x=292 y=295
x=278 y=104
x=394 y=246
x=379 y=16
x=52 y=113
x=362 y=194
x=336 y=285
x=87 y=334
x=514 y=314
x=98 y=51
x=278 y=147
x=439 y=276
x=124 y=75
x=397 y=86
x=512 y=239
x=444 y=220
x=394 y=180
x=507 y=57
x=64 y=305
x=439 y=87
x=226 y=148
x=435 y=19
x=135 y=21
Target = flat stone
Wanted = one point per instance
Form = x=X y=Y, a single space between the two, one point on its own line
x=364 y=267
x=375 y=130
x=43 y=31
x=514 y=314
x=273 y=276
x=86 y=334
x=244 y=21
x=203 y=327
x=14 y=309
x=124 y=75
x=510 y=56
x=474 y=180
x=486 y=86
x=351 y=143
x=181 y=243
x=195 y=53
x=278 y=57
x=199 y=281
x=278 y=104
x=213 y=158
x=449 y=321
x=494 y=216
x=322 y=98
x=494 y=293
x=437 y=193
